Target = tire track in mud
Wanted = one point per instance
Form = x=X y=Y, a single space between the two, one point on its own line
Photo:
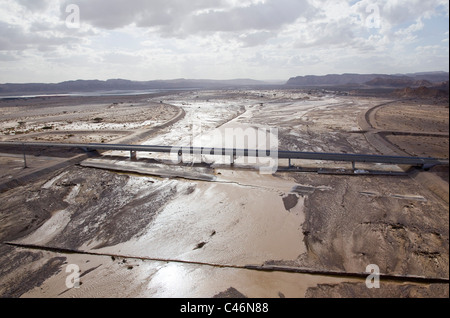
x=265 y=268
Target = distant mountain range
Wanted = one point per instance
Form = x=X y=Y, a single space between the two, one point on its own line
x=121 y=85
x=370 y=80
x=427 y=79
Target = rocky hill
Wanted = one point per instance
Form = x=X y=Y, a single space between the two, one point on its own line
x=440 y=91
x=398 y=82
x=370 y=80
x=331 y=79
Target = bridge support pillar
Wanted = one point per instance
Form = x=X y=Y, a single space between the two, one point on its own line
x=427 y=167
x=133 y=156
x=24 y=157
x=232 y=158
x=25 y=161
x=353 y=166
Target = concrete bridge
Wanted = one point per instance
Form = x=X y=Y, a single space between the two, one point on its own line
x=421 y=162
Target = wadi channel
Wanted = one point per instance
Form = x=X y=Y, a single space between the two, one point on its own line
x=208 y=227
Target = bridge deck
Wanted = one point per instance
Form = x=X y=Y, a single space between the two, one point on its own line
x=277 y=154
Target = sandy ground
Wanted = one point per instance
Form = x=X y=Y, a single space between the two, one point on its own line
x=209 y=229
x=423 y=128
x=77 y=120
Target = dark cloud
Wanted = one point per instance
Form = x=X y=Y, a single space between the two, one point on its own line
x=8 y=57
x=18 y=38
x=112 y=14
x=7 y=34
x=256 y=38
x=34 y=5
x=183 y=18
x=269 y=15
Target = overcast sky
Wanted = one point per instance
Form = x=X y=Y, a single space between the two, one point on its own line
x=58 y=40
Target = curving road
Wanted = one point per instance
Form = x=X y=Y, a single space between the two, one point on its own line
x=377 y=137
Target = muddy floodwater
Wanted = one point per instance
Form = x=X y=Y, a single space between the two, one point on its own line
x=157 y=225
